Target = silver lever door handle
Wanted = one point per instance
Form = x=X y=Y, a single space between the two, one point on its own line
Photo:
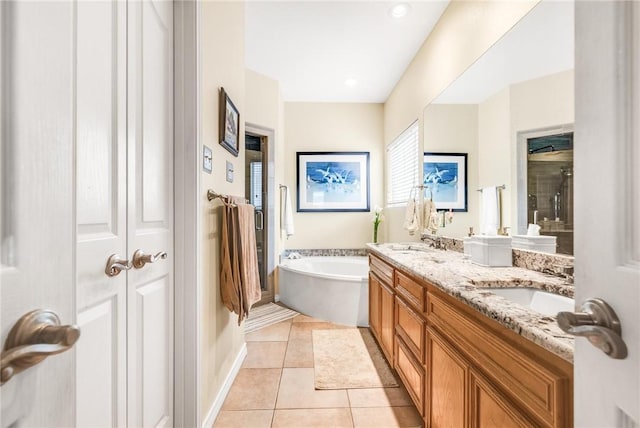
x=599 y=323
x=140 y=258
x=259 y=216
x=37 y=335
x=115 y=265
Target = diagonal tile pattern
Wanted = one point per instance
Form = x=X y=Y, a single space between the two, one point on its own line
x=275 y=387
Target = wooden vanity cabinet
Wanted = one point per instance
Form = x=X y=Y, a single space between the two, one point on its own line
x=461 y=368
x=381 y=305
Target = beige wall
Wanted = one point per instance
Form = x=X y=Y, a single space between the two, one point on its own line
x=465 y=31
x=329 y=127
x=454 y=129
x=222 y=50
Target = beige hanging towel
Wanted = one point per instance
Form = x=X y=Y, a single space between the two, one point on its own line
x=239 y=277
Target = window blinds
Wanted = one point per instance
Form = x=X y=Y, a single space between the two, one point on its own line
x=402 y=173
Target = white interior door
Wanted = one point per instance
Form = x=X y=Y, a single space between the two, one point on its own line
x=607 y=195
x=36 y=201
x=125 y=203
x=101 y=174
x=150 y=215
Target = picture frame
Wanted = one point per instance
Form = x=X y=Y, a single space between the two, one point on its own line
x=229 y=124
x=332 y=181
x=445 y=175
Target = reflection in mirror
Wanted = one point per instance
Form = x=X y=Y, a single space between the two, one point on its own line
x=550 y=187
x=522 y=85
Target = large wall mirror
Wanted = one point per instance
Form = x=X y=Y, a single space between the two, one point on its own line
x=512 y=111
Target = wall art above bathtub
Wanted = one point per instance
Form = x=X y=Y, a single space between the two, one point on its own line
x=332 y=181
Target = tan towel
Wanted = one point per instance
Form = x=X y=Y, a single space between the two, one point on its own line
x=248 y=256
x=239 y=277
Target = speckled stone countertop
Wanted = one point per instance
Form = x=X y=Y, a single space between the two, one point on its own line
x=457 y=276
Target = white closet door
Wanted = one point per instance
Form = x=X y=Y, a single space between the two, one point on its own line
x=36 y=199
x=150 y=216
x=101 y=143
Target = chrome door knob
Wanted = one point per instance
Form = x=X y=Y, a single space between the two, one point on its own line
x=35 y=336
x=140 y=258
x=599 y=323
x=115 y=265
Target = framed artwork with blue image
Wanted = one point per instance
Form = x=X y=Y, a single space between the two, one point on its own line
x=332 y=181
x=445 y=174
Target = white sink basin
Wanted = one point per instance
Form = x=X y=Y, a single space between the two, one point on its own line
x=540 y=301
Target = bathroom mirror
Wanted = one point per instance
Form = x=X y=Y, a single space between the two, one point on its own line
x=501 y=110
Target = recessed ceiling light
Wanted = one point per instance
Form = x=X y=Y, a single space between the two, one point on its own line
x=351 y=82
x=399 y=10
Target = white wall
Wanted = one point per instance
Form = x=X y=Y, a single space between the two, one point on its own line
x=222 y=56
x=333 y=127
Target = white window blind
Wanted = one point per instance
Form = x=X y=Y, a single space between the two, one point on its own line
x=402 y=172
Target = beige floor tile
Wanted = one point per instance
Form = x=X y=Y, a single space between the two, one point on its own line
x=386 y=417
x=302 y=330
x=274 y=333
x=253 y=389
x=297 y=391
x=299 y=353
x=306 y=318
x=313 y=418
x=265 y=355
x=379 y=397
x=244 y=419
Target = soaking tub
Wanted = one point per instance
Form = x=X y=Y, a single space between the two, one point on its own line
x=329 y=288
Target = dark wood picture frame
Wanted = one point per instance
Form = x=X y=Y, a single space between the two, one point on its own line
x=229 y=124
x=445 y=174
x=332 y=181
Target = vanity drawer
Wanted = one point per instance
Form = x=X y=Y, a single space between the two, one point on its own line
x=413 y=292
x=411 y=328
x=381 y=269
x=411 y=372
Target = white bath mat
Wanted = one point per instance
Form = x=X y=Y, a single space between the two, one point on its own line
x=266 y=315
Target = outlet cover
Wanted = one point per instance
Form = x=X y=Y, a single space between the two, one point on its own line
x=207 y=159
x=229 y=172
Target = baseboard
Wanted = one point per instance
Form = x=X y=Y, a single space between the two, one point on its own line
x=212 y=414
x=276 y=298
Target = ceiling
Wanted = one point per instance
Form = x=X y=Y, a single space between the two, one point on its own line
x=542 y=43
x=313 y=47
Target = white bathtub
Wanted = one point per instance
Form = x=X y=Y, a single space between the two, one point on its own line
x=329 y=288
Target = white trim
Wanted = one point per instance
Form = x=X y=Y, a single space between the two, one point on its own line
x=186 y=208
x=212 y=414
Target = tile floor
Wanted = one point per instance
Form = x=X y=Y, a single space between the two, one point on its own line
x=274 y=388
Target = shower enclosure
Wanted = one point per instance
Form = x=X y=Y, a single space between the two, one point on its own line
x=550 y=187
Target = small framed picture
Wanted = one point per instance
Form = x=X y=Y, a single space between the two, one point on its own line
x=229 y=124
x=445 y=174
x=333 y=181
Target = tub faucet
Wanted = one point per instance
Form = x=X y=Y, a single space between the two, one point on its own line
x=294 y=255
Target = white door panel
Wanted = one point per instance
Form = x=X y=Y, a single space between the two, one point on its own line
x=607 y=194
x=36 y=201
x=150 y=213
x=101 y=212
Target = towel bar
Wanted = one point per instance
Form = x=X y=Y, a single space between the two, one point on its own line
x=501 y=187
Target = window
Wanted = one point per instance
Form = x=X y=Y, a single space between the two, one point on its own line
x=402 y=172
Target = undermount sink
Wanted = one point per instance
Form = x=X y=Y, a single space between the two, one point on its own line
x=540 y=301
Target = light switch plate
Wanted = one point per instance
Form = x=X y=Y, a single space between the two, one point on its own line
x=229 y=172
x=207 y=159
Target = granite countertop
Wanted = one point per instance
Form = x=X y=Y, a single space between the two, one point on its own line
x=456 y=275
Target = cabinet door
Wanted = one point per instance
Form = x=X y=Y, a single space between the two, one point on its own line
x=490 y=408
x=386 y=321
x=374 y=306
x=447 y=376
